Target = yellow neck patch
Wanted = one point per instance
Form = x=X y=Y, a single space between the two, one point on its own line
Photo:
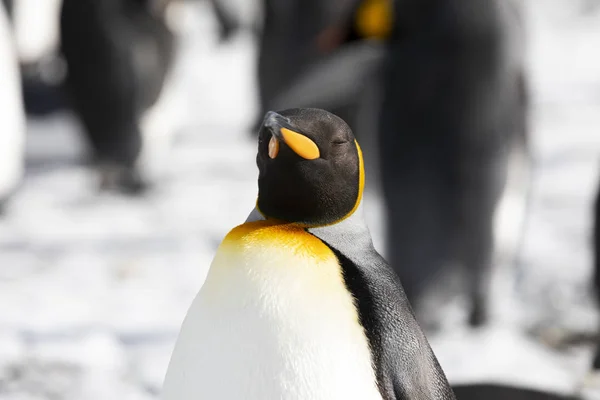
x=361 y=181
x=374 y=19
x=285 y=236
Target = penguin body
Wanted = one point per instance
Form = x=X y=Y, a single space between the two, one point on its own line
x=119 y=55
x=273 y=321
x=297 y=35
x=12 y=114
x=297 y=303
x=455 y=103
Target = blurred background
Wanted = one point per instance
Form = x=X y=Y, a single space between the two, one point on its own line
x=127 y=152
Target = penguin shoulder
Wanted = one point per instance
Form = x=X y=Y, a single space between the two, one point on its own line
x=273 y=236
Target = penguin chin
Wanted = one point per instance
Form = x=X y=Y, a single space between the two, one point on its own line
x=296 y=201
x=307 y=192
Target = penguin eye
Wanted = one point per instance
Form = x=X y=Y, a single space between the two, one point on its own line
x=338 y=142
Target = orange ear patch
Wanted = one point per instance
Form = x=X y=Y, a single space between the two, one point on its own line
x=300 y=144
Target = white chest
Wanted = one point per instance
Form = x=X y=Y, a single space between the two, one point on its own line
x=271 y=323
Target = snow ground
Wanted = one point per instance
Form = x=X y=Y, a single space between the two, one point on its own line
x=93 y=287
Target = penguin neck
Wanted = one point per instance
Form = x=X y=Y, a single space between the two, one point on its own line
x=356 y=217
x=351 y=229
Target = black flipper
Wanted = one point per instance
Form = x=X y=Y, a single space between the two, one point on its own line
x=405 y=365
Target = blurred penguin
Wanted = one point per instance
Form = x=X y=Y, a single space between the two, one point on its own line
x=345 y=77
x=294 y=36
x=118 y=54
x=455 y=102
x=350 y=54
x=35 y=25
x=12 y=115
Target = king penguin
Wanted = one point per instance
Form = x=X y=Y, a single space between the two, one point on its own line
x=297 y=303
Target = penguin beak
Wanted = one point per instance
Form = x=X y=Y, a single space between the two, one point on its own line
x=282 y=131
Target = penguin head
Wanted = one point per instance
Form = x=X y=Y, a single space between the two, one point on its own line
x=310 y=167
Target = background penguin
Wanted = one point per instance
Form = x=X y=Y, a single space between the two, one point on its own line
x=455 y=102
x=12 y=114
x=295 y=35
x=300 y=305
x=345 y=77
x=118 y=54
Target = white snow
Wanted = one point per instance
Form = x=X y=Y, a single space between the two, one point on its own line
x=93 y=287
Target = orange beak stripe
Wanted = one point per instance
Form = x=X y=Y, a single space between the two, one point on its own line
x=300 y=144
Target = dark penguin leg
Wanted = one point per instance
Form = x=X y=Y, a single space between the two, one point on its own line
x=451 y=87
x=117 y=55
